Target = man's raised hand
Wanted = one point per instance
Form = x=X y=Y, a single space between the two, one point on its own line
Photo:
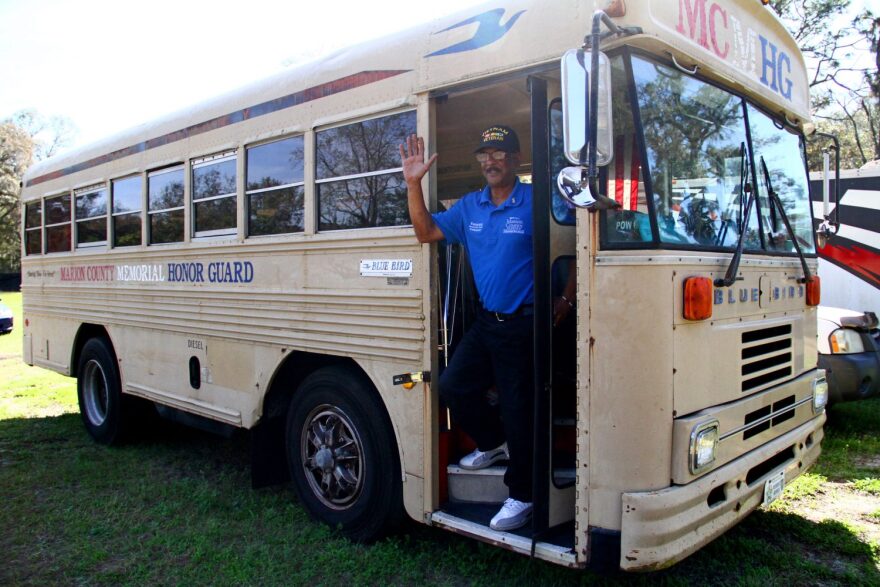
x=412 y=158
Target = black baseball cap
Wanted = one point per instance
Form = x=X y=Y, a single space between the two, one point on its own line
x=500 y=137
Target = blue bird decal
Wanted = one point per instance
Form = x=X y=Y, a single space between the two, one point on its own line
x=489 y=31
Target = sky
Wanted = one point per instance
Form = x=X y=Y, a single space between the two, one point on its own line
x=111 y=65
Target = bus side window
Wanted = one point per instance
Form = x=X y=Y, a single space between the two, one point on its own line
x=625 y=182
x=165 y=201
x=33 y=228
x=274 y=188
x=359 y=182
x=126 y=210
x=91 y=216
x=214 y=195
x=563 y=212
x=58 y=223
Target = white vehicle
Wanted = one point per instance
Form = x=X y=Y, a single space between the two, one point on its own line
x=849 y=351
x=6 y=319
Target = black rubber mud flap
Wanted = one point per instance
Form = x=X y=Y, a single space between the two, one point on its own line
x=604 y=550
x=268 y=458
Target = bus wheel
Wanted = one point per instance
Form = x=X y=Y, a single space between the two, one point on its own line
x=342 y=455
x=99 y=392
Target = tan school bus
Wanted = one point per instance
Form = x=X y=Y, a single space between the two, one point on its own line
x=249 y=263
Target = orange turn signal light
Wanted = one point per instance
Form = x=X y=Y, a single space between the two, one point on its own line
x=814 y=290
x=697 y=298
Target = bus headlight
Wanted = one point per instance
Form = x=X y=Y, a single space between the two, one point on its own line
x=820 y=393
x=704 y=441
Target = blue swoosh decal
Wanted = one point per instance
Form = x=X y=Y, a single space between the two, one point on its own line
x=489 y=31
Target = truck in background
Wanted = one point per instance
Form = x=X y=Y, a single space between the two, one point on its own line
x=849 y=263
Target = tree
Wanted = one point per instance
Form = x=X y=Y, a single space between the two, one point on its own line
x=25 y=137
x=845 y=90
x=16 y=153
x=49 y=134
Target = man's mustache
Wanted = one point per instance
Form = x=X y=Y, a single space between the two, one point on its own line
x=490 y=169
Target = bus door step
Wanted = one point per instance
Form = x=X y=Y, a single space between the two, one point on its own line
x=480 y=486
x=487 y=485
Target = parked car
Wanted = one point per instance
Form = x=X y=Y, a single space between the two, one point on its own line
x=5 y=319
x=849 y=350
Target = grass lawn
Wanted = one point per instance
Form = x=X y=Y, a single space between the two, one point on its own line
x=177 y=508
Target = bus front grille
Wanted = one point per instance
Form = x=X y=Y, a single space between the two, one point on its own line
x=766 y=357
x=765 y=418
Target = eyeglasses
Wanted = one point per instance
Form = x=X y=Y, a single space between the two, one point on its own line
x=496 y=155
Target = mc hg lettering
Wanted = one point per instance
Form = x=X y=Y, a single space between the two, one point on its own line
x=718 y=31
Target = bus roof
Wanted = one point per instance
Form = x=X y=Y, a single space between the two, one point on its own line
x=740 y=43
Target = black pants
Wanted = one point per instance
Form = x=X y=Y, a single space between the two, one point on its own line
x=500 y=353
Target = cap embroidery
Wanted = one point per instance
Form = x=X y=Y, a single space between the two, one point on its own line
x=494 y=134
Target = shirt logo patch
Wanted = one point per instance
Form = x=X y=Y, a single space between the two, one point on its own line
x=476 y=227
x=514 y=226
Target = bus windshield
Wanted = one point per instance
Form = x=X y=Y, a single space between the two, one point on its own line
x=702 y=167
x=781 y=153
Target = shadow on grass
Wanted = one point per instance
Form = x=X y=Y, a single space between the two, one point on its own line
x=855 y=418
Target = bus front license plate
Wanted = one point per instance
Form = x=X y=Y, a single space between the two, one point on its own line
x=773 y=487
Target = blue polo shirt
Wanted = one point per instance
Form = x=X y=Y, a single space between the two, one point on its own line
x=499 y=244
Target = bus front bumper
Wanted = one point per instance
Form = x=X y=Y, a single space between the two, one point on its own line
x=660 y=528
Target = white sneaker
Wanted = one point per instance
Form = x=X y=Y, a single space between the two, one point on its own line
x=512 y=515
x=480 y=460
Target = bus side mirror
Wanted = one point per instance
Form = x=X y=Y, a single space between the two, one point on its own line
x=578 y=133
x=829 y=226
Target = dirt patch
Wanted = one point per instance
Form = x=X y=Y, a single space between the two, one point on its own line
x=872 y=462
x=843 y=503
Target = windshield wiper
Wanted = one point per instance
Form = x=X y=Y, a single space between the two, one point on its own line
x=726 y=220
x=743 y=221
x=774 y=200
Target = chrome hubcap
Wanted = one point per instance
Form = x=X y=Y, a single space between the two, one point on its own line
x=332 y=457
x=95 y=393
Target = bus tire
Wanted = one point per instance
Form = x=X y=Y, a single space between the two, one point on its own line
x=102 y=406
x=342 y=455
